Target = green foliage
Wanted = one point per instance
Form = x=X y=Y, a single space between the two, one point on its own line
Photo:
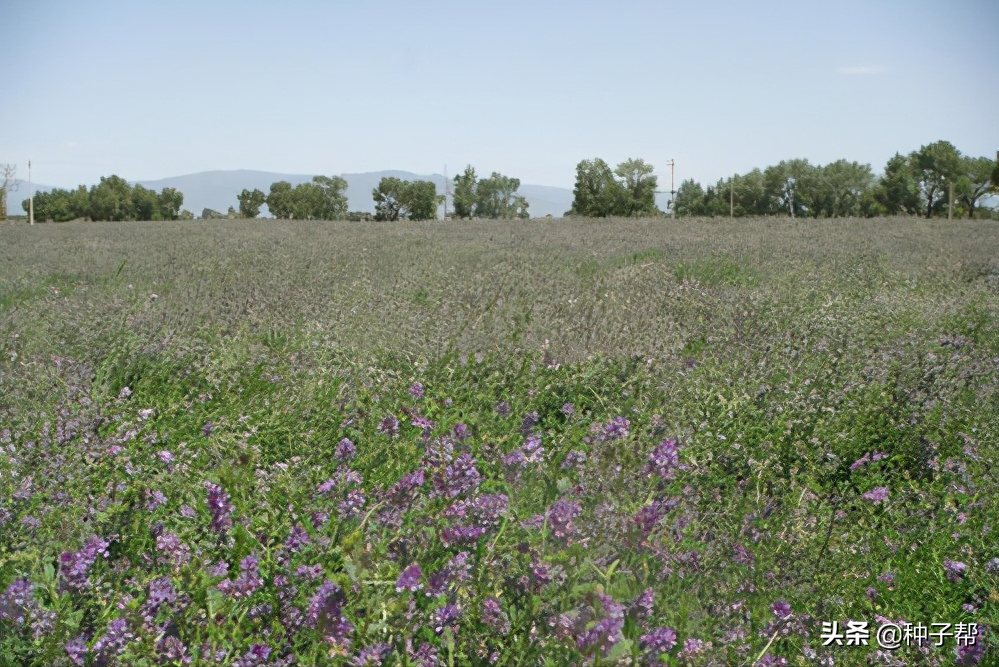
x=396 y=199
x=596 y=194
x=494 y=197
x=935 y=167
x=112 y=199
x=250 y=202
x=324 y=198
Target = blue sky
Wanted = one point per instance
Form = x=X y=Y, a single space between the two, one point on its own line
x=155 y=89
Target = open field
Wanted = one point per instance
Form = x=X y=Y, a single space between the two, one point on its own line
x=549 y=442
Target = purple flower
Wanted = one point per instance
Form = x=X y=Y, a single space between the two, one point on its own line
x=372 y=656
x=160 y=593
x=861 y=462
x=878 y=495
x=616 y=429
x=970 y=654
x=77 y=650
x=208 y=428
x=16 y=602
x=954 y=569
x=643 y=605
x=453 y=535
x=176 y=552
x=503 y=409
x=493 y=617
x=113 y=642
x=649 y=516
x=659 y=641
x=573 y=459
x=409 y=579
x=416 y=390
x=170 y=650
x=461 y=432
x=352 y=505
x=246 y=583
x=443 y=617
x=560 y=516
x=458 y=569
x=692 y=646
x=664 y=459
x=423 y=424
x=298 y=538
x=602 y=636
x=165 y=456
x=781 y=609
x=220 y=507
x=568 y=409
x=460 y=477
x=75 y=565
x=886 y=577
x=256 y=657
x=389 y=426
x=345 y=450
x=156 y=500
x=325 y=613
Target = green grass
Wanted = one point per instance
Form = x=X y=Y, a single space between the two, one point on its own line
x=779 y=355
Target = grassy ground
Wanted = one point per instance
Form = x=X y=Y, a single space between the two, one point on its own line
x=546 y=442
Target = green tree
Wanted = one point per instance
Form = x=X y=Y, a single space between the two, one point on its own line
x=896 y=192
x=843 y=186
x=333 y=199
x=170 y=201
x=280 y=200
x=974 y=182
x=596 y=194
x=496 y=197
x=145 y=203
x=465 y=186
x=935 y=166
x=689 y=200
x=389 y=198
x=250 y=202
x=422 y=200
x=791 y=188
x=111 y=199
x=396 y=199
x=638 y=186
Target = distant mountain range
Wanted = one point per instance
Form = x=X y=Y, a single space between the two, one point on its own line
x=217 y=190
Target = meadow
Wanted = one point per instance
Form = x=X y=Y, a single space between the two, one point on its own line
x=558 y=442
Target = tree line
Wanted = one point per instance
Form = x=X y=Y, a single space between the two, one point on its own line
x=111 y=199
x=919 y=183
x=395 y=199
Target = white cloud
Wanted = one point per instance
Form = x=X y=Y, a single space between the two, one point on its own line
x=861 y=69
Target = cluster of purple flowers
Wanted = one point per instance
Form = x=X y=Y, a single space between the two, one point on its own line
x=868 y=458
x=372 y=656
x=878 y=495
x=493 y=617
x=649 y=516
x=74 y=566
x=325 y=614
x=656 y=643
x=161 y=592
x=460 y=477
x=416 y=390
x=484 y=510
x=410 y=579
x=954 y=569
x=18 y=605
x=220 y=507
x=444 y=617
x=457 y=570
x=530 y=452
x=345 y=450
x=248 y=581
x=664 y=459
x=174 y=551
x=560 y=517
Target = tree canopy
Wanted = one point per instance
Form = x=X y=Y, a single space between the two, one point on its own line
x=397 y=199
x=111 y=199
x=324 y=198
x=628 y=190
x=493 y=197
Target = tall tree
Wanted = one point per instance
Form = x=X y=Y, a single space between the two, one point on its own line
x=974 y=182
x=8 y=184
x=465 y=186
x=790 y=188
x=334 y=197
x=421 y=200
x=250 y=202
x=896 y=192
x=596 y=194
x=936 y=166
x=111 y=199
x=843 y=186
x=496 y=197
x=396 y=199
x=689 y=199
x=280 y=200
x=639 y=185
x=389 y=198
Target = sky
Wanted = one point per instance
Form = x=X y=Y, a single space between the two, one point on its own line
x=148 y=90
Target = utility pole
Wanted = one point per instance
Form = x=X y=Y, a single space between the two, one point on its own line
x=731 y=197
x=31 y=198
x=445 y=192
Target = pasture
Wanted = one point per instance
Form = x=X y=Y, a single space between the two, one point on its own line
x=557 y=442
